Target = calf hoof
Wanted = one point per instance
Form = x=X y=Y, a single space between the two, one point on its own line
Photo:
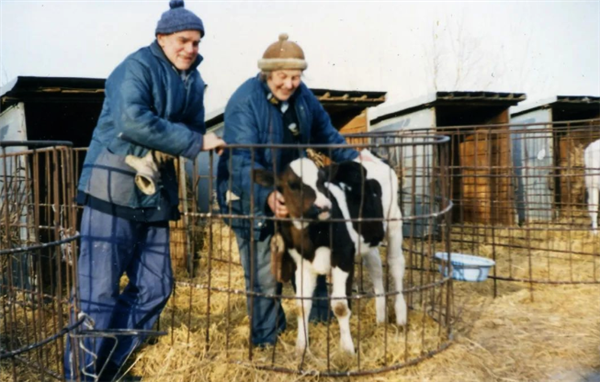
x=401 y=314
x=301 y=343
x=347 y=347
x=300 y=349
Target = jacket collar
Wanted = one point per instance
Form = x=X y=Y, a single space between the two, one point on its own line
x=158 y=52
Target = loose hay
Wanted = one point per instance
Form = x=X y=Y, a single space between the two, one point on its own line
x=541 y=252
x=555 y=337
x=379 y=346
x=510 y=338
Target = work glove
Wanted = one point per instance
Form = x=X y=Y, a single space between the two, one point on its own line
x=146 y=168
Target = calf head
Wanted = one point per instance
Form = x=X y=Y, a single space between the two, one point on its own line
x=302 y=186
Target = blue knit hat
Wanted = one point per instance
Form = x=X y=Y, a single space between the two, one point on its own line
x=178 y=19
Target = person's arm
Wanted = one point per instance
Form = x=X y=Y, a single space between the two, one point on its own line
x=196 y=121
x=131 y=105
x=241 y=127
x=323 y=132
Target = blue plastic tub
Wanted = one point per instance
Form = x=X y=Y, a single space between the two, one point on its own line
x=465 y=267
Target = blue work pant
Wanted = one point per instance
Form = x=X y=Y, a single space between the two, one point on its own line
x=110 y=247
x=267 y=315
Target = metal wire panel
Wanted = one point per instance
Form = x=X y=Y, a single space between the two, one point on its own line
x=37 y=257
x=520 y=198
x=212 y=290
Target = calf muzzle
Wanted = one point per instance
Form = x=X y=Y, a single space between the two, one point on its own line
x=318 y=213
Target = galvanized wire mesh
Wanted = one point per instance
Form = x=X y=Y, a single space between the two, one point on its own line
x=37 y=256
x=212 y=293
x=517 y=194
x=520 y=198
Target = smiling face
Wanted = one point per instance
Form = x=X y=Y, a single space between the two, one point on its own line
x=181 y=48
x=283 y=83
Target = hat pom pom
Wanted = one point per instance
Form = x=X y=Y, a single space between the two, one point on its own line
x=283 y=37
x=176 y=4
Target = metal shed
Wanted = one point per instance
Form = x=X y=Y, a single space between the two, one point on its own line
x=474 y=121
x=54 y=108
x=547 y=144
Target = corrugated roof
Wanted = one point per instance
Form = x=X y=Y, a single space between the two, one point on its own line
x=556 y=101
x=445 y=98
x=22 y=85
x=366 y=99
x=480 y=95
x=577 y=99
x=47 y=88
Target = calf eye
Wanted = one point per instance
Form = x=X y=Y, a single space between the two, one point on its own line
x=293 y=185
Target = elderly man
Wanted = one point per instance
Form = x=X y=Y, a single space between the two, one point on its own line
x=154 y=103
x=274 y=107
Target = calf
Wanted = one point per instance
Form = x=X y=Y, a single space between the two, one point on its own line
x=320 y=242
x=592 y=181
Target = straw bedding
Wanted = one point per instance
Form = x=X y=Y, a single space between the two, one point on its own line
x=541 y=252
x=555 y=337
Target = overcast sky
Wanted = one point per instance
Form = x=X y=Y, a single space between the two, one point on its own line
x=408 y=49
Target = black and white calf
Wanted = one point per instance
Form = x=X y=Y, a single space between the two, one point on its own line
x=319 y=245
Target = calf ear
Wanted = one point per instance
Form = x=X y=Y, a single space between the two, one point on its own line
x=263 y=177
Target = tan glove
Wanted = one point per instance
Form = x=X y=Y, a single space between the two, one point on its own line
x=147 y=174
x=161 y=158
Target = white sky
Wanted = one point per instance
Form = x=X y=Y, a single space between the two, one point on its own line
x=539 y=48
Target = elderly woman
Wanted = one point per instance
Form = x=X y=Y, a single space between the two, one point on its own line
x=274 y=107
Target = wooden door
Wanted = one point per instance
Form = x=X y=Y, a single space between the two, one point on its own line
x=475 y=189
x=486 y=193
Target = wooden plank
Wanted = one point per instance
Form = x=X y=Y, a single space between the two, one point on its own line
x=357 y=125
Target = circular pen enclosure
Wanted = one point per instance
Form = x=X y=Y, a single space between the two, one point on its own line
x=209 y=310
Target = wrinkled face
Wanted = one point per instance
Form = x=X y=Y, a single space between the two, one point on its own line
x=283 y=83
x=181 y=48
x=302 y=185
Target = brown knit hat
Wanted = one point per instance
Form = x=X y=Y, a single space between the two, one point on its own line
x=283 y=54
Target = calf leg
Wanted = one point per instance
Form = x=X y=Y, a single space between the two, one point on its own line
x=306 y=281
x=593 y=207
x=396 y=264
x=373 y=263
x=340 y=307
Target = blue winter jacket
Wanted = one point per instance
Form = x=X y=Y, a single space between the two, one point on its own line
x=251 y=119
x=148 y=105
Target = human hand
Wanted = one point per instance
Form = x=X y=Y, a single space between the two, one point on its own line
x=276 y=203
x=212 y=141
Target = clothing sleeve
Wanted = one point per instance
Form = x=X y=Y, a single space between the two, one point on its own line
x=129 y=92
x=241 y=127
x=323 y=132
x=196 y=121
